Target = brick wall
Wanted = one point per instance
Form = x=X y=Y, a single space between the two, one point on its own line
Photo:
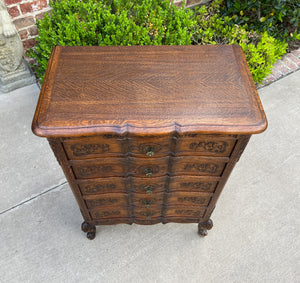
x=24 y=14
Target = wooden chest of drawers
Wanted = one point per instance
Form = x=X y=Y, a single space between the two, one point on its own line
x=148 y=134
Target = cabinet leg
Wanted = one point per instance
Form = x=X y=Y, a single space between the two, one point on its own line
x=89 y=229
x=204 y=226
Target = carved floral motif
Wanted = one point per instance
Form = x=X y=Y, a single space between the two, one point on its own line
x=85 y=149
x=189 y=212
x=211 y=146
x=197 y=200
x=203 y=186
x=87 y=171
x=202 y=167
x=98 y=187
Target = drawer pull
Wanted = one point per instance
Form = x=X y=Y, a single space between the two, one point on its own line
x=149 y=151
x=148 y=189
x=147 y=203
x=148 y=172
x=148 y=215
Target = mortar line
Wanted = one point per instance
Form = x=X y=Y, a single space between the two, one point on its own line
x=34 y=197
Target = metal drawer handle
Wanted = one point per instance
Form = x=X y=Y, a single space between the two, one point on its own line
x=148 y=172
x=147 y=203
x=148 y=189
x=149 y=151
x=148 y=215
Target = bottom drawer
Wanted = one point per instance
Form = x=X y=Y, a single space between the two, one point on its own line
x=109 y=212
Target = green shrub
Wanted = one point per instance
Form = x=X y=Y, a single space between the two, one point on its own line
x=114 y=22
x=280 y=18
x=149 y=22
x=261 y=50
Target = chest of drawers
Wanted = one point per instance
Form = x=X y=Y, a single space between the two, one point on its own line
x=148 y=134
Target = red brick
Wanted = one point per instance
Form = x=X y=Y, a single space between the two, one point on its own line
x=24 y=22
x=41 y=15
x=296 y=53
x=178 y=4
x=276 y=74
x=10 y=2
x=294 y=59
x=282 y=68
x=33 y=6
x=23 y=34
x=13 y=11
x=29 y=43
x=289 y=64
x=33 y=31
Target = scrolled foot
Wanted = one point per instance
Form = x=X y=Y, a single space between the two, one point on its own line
x=89 y=229
x=204 y=226
x=91 y=235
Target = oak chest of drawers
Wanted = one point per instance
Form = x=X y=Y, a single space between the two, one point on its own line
x=148 y=134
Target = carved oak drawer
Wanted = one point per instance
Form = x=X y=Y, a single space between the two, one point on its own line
x=193 y=183
x=190 y=198
x=184 y=211
x=103 y=185
x=148 y=200
x=120 y=167
x=148 y=134
x=93 y=147
x=106 y=200
x=109 y=212
x=207 y=146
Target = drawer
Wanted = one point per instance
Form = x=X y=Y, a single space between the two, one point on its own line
x=148 y=185
x=193 y=183
x=101 y=167
x=106 y=200
x=147 y=213
x=93 y=147
x=188 y=199
x=120 y=167
x=199 y=166
x=148 y=201
x=109 y=212
x=149 y=146
x=207 y=146
x=141 y=167
x=103 y=185
x=183 y=211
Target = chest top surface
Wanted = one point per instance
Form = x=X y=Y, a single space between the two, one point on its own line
x=148 y=89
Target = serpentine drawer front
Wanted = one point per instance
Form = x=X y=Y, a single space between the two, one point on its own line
x=148 y=134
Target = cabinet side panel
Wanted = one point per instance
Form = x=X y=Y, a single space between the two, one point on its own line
x=234 y=158
x=61 y=157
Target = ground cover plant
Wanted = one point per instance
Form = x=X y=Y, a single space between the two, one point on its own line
x=150 y=22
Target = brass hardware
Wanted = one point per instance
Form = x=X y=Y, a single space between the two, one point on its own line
x=148 y=215
x=148 y=172
x=149 y=151
x=148 y=189
x=147 y=203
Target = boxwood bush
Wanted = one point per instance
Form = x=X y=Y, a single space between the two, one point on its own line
x=114 y=22
x=148 y=22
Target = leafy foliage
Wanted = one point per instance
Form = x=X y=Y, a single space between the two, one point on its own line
x=149 y=22
x=261 y=50
x=280 y=18
x=113 y=22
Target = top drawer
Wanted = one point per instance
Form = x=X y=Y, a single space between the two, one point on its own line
x=205 y=145
x=148 y=146
x=115 y=145
x=93 y=147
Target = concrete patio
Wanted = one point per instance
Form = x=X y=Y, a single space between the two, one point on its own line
x=256 y=222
